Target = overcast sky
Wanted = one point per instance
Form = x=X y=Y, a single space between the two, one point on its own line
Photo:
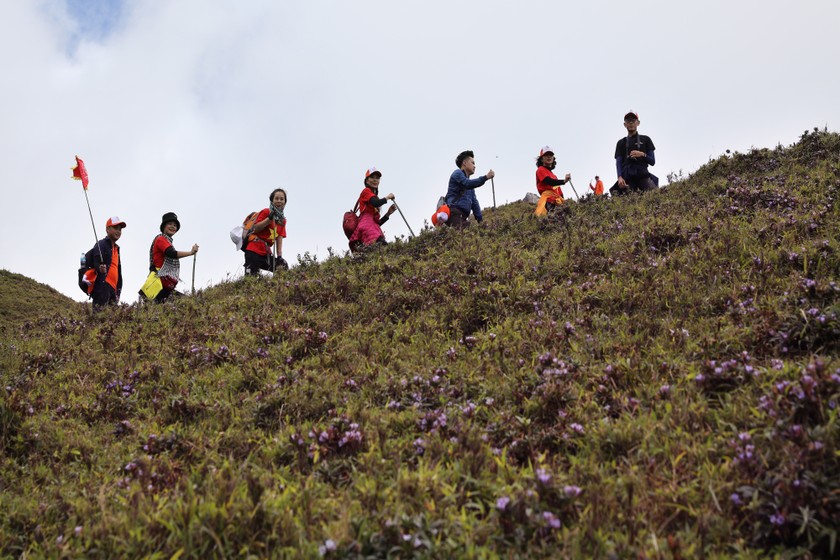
x=202 y=107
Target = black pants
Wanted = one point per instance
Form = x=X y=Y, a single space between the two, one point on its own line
x=255 y=262
x=103 y=294
x=457 y=219
x=634 y=184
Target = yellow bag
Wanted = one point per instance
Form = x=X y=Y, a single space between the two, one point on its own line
x=152 y=287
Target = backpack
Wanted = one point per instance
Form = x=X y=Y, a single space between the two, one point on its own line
x=244 y=234
x=87 y=274
x=351 y=221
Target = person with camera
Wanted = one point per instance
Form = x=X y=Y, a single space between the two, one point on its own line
x=548 y=185
x=460 y=196
x=633 y=154
x=269 y=230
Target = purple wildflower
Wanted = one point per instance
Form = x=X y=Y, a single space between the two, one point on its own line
x=572 y=491
x=502 y=503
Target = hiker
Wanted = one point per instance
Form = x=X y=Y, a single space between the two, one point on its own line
x=460 y=196
x=107 y=266
x=633 y=154
x=548 y=185
x=598 y=188
x=164 y=259
x=369 y=230
x=270 y=229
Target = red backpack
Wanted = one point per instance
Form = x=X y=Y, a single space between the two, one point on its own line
x=351 y=221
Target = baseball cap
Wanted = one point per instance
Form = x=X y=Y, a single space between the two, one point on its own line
x=546 y=150
x=114 y=221
x=372 y=171
x=631 y=115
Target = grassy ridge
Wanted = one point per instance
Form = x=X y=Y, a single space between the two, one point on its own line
x=652 y=376
x=23 y=299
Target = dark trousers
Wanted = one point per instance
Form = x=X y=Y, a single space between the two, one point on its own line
x=103 y=294
x=254 y=263
x=634 y=184
x=457 y=219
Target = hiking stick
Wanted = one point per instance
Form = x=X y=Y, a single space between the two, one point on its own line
x=403 y=217
x=193 y=274
x=573 y=188
x=493 y=186
x=95 y=236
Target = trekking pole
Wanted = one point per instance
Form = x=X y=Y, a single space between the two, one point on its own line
x=573 y=188
x=403 y=217
x=493 y=186
x=193 y=274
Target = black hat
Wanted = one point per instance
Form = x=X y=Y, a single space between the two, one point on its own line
x=169 y=217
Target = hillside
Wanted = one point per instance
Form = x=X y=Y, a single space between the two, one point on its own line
x=23 y=299
x=655 y=376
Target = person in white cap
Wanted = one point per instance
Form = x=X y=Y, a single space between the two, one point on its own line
x=369 y=230
x=633 y=154
x=548 y=185
x=106 y=263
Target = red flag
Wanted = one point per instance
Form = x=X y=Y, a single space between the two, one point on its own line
x=80 y=173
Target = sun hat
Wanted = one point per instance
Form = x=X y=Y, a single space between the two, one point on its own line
x=169 y=217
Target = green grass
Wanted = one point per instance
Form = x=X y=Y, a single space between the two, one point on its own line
x=22 y=300
x=654 y=376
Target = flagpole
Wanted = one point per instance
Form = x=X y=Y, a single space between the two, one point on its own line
x=95 y=235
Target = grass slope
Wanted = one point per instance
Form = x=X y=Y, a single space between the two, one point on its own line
x=23 y=299
x=655 y=376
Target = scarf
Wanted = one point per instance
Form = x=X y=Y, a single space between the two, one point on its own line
x=171 y=267
x=276 y=214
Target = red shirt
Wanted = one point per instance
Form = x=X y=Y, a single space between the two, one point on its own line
x=159 y=247
x=265 y=238
x=544 y=173
x=364 y=207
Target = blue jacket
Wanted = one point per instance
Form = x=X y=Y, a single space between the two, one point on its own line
x=461 y=193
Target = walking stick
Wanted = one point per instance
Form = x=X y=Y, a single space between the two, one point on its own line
x=493 y=186
x=403 y=217
x=193 y=274
x=573 y=188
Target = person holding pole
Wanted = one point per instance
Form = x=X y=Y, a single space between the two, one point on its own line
x=597 y=187
x=106 y=267
x=269 y=230
x=548 y=185
x=460 y=196
x=369 y=230
x=164 y=260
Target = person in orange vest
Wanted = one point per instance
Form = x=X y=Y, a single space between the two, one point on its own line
x=548 y=185
x=107 y=265
x=598 y=188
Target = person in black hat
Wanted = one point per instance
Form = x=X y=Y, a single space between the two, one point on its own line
x=633 y=154
x=164 y=258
